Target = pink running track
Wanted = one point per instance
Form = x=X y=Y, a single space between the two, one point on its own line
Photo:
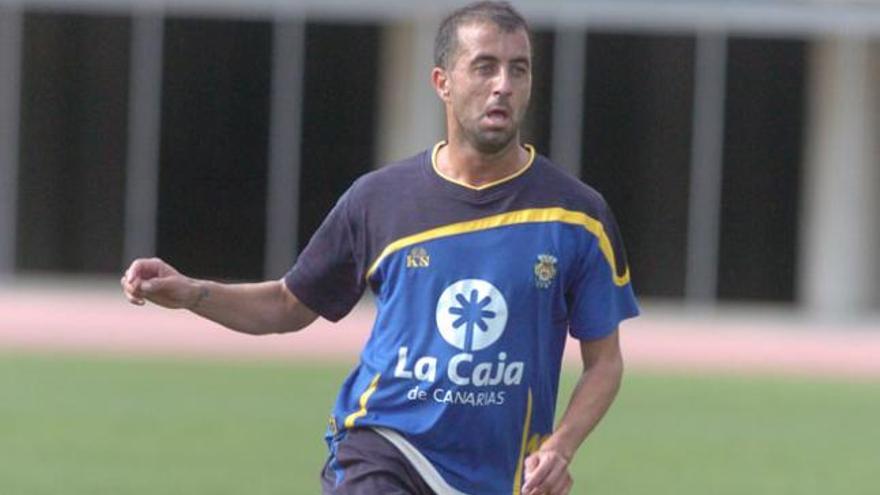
x=89 y=320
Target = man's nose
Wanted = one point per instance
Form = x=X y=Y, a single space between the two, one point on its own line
x=503 y=83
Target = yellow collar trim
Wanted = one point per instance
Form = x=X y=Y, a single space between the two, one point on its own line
x=436 y=150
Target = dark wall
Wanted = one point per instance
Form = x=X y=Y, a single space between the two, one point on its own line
x=637 y=131
x=214 y=139
x=339 y=116
x=763 y=145
x=536 y=127
x=72 y=143
x=214 y=145
x=215 y=124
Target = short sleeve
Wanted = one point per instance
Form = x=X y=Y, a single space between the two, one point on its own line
x=325 y=276
x=601 y=294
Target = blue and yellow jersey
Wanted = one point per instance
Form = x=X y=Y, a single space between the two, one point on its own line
x=476 y=291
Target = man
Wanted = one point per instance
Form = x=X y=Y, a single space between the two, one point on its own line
x=483 y=256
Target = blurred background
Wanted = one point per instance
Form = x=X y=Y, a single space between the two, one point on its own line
x=737 y=141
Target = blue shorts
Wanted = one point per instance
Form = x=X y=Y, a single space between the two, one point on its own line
x=362 y=462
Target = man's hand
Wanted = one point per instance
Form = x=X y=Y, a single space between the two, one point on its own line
x=546 y=471
x=256 y=308
x=158 y=282
x=547 y=474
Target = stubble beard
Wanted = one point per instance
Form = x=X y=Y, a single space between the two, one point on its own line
x=489 y=142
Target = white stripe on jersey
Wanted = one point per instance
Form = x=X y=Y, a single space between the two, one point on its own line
x=427 y=470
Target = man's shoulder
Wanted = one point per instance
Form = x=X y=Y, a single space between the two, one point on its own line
x=390 y=177
x=394 y=173
x=558 y=184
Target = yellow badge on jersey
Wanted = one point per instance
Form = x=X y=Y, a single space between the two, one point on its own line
x=545 y=270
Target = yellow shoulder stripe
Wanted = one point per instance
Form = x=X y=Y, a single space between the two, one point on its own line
x=532 y=215
x=517 y=478
x=360 y=413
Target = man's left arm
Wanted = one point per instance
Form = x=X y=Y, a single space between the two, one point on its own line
x=546 y=471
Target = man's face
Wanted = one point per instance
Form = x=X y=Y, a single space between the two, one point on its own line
x=489 y=84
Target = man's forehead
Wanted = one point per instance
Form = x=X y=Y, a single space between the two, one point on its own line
x=486 y=38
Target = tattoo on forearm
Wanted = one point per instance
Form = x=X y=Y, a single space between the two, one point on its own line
x=203 y=294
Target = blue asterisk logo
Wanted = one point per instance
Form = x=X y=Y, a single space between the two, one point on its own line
x=471 y=312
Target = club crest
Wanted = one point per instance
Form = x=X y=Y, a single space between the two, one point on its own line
x=545 y=270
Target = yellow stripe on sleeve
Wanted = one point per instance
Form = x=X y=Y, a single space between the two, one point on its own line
x=360 y=413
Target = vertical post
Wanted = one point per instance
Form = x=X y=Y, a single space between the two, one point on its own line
x=874 y=150
x=11 y=21
x=282 y=202
x=841 y=234
x=569 y=75
x=704 y=208
x=410 y=114
x=144 y=113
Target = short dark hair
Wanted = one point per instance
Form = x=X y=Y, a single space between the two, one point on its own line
x=501 y=14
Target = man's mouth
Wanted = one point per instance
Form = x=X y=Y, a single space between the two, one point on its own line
x=498 y=115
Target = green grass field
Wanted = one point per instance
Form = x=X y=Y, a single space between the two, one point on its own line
x=103 y=426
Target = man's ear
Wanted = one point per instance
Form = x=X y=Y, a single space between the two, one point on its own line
x=440 y=81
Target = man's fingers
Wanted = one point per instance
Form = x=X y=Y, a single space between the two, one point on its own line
x=130 y=293
x=135 y=286
x=145 y=277
x=535 y=475
x=546 y=473
x=569 y=483
x=557 y=480
x=144 y=269
x=153 y=285
x=562 y=487
x=134 y=270
x=531 y=463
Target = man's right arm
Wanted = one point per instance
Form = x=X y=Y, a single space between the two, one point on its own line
x=254 y=308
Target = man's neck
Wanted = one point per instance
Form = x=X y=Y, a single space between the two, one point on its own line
x=463 y=163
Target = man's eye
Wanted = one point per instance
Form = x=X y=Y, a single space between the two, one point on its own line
x=484 y=69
